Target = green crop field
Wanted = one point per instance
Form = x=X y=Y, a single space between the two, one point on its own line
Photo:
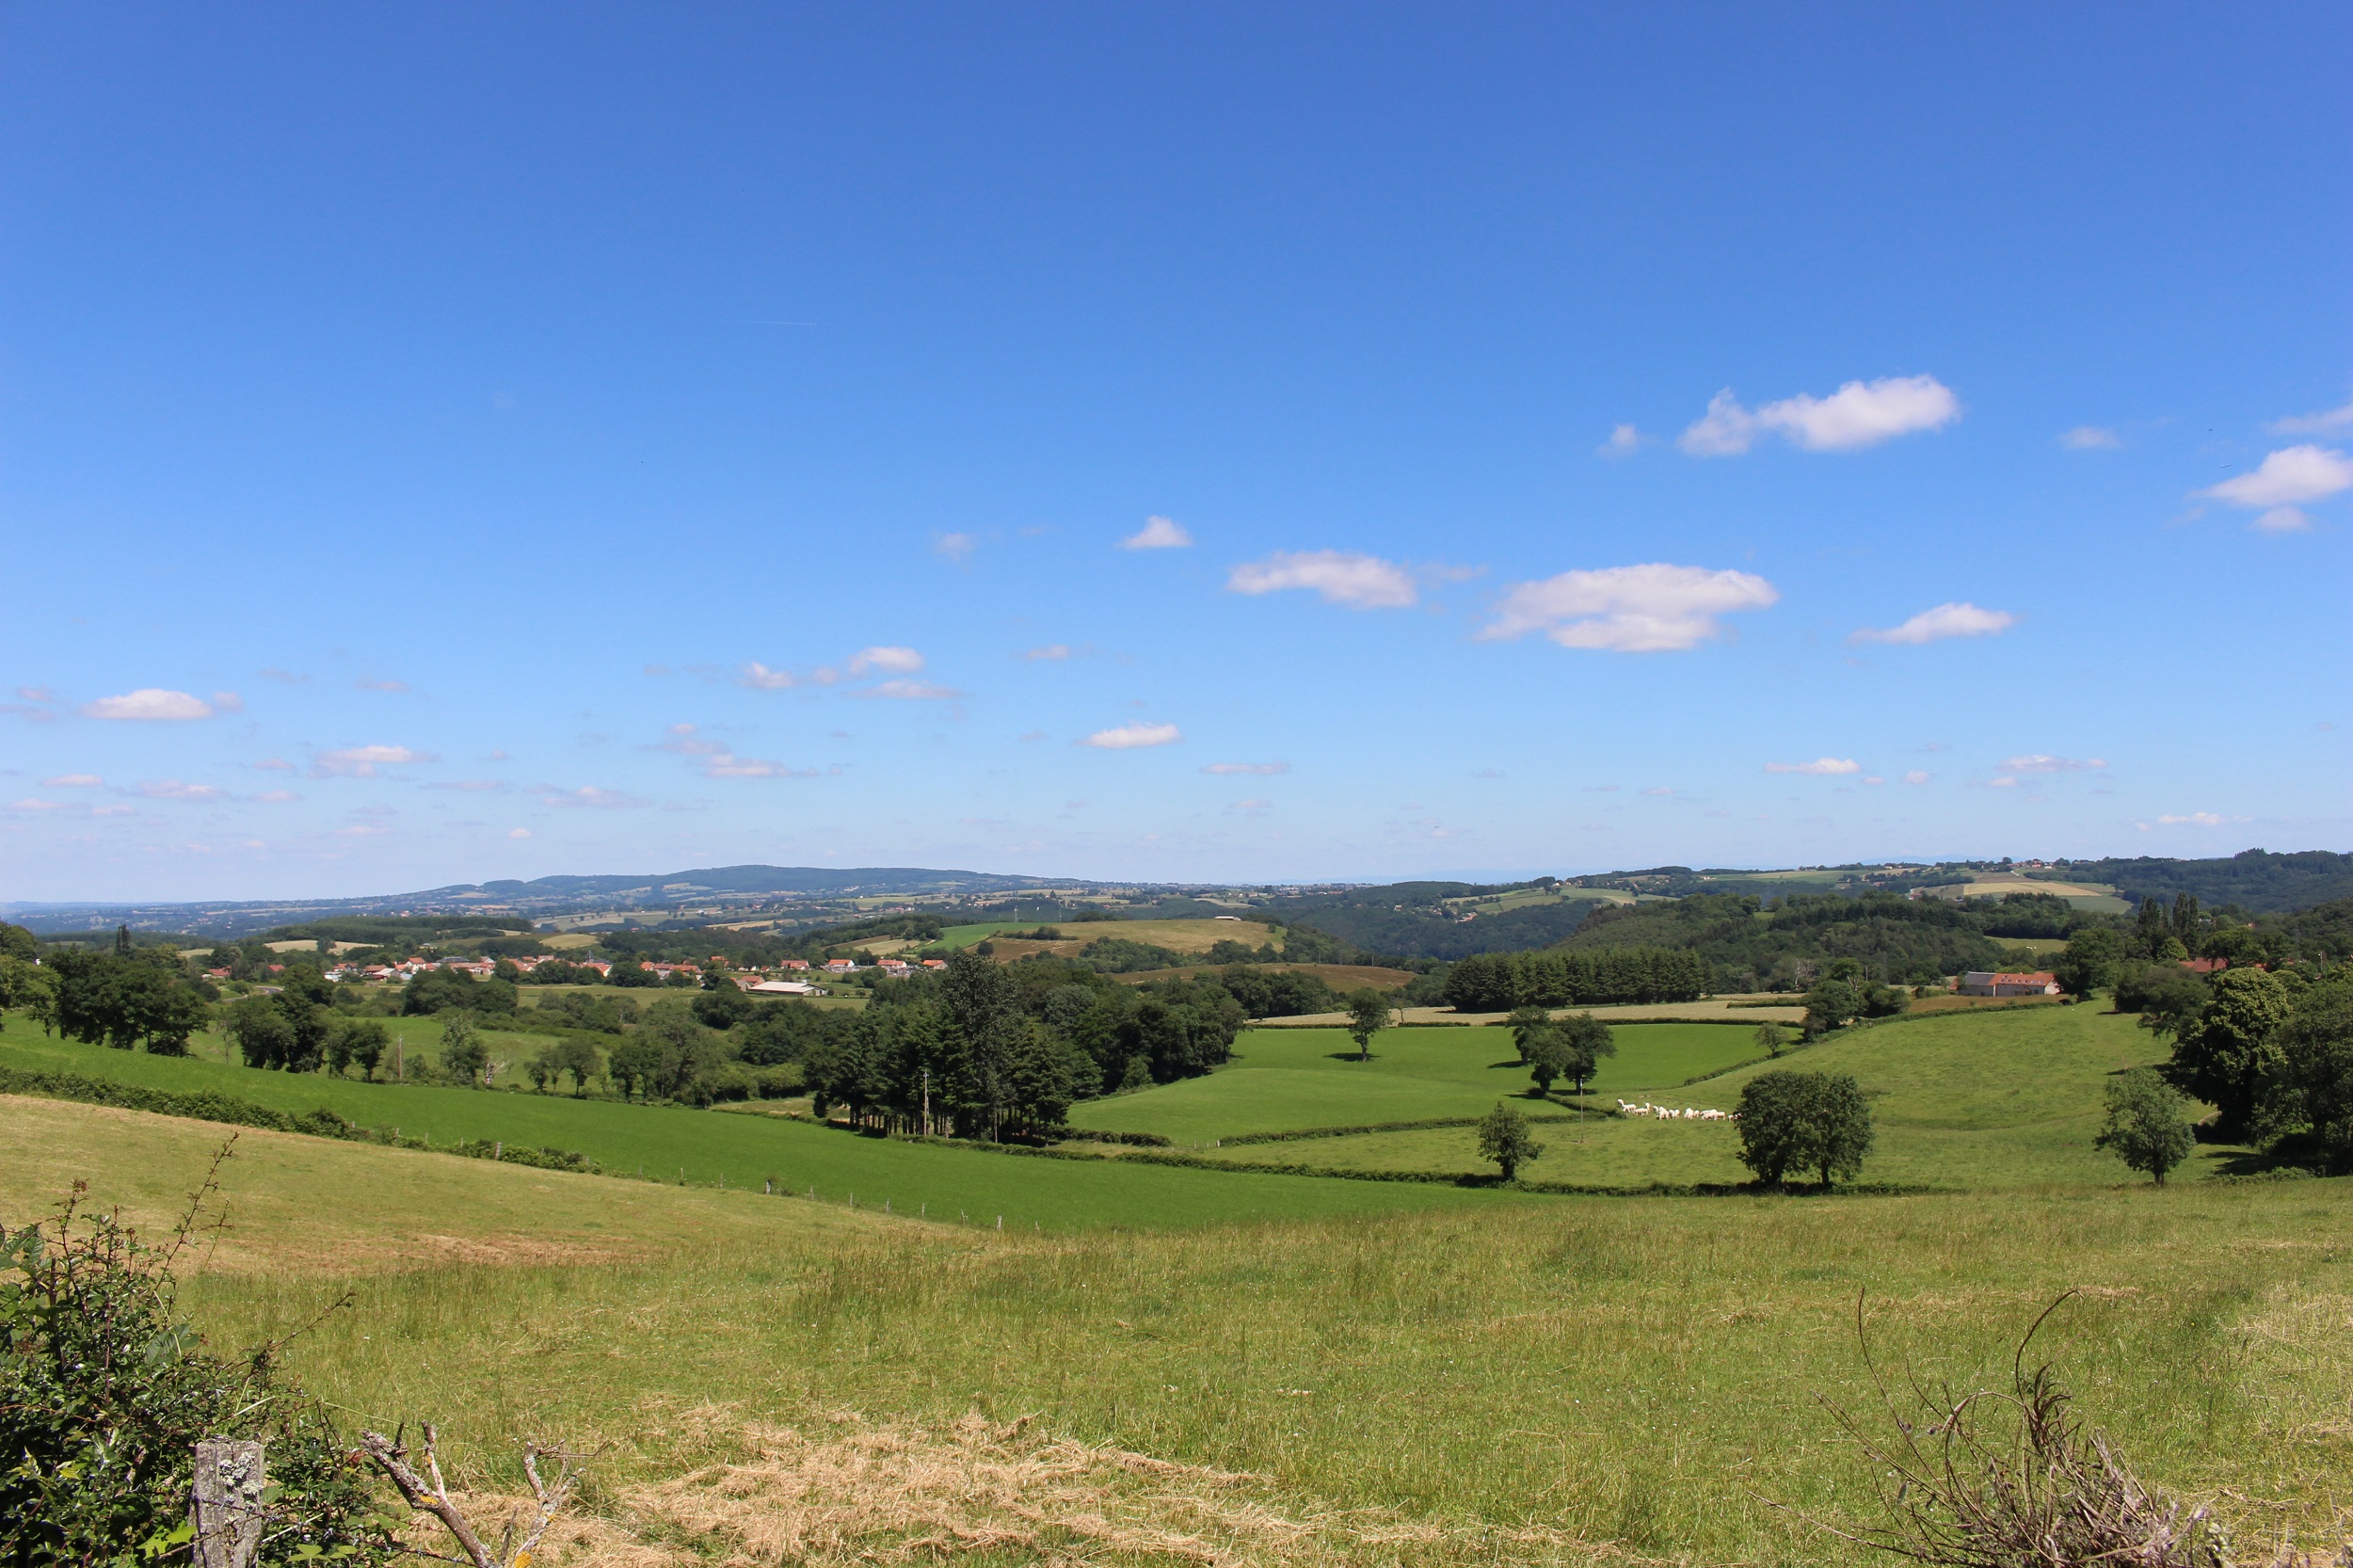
x=1282 y=1079
x=1539 y=1381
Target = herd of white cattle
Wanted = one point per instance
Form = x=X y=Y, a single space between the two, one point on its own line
x=1669 y=1114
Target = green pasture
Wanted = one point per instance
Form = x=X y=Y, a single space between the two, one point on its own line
x=703 y=1149
x=1988 y=1100
x=1623 y=1377
x=965 y=935
x=1283 y=1079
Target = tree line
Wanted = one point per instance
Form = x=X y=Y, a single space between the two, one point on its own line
x=1499 y=982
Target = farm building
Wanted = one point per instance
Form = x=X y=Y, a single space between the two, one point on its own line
x=2000 y=982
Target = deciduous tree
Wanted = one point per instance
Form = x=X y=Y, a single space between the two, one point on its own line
x=2145 y=1127
x=1504 y=1138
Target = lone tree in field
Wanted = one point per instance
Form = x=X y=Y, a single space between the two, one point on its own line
x=2145 y=1129
x=1588 y=1040
x=1548 y=1054
x=464 y=1057
x=1368 y=1014
x=1771 y=1039
x=1792 y=1122
x=1504 y=1138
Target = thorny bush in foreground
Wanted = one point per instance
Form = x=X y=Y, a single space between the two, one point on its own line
x=104 y=1392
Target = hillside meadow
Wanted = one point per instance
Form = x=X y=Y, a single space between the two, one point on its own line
x=1535 y=1380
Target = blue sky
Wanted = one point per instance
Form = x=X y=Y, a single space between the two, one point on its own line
x=446 y=442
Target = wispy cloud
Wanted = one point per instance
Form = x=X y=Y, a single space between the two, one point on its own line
x=1823 y=766
x=1960 y=619
x=2327 y=422
x=1157 y=533
x=1129 y=737
x=1858 y=414
x=1917 y=776
x=288 y=677
x=1646 y=609
x=866 y=661
x=911 y=691
x=955 y=547
x=1267 y=768
x=894 y=661
x=151 y=703
x=276 y=797
x=72 y=781
x=1337 y=576
x=368 y=683
x=1051 y=653
x=362 y=762
x=471 y=786
x=1252 y=808
x=588 y=797
x=2091 y=438
x=1625 y=441
x=2043 y=762
x=174 y=789
x=272 y=764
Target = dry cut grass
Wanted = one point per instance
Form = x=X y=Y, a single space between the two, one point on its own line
x=841 y=1489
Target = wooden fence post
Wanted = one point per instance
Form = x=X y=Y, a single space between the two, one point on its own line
x=227 y=1510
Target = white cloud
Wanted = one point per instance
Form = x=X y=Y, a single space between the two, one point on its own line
x=273 y=764
x=367 y=683
x=957 y=547
x=470 y=786
x=1158 y=533
x=1340 y=576
x=1046 y=655
x=2289 y=476
x=2005 y=782
x=72 y=781
x=1961 y=619
x=1858 y=414
x=1129 y=737
x=2091 y=437
x=518 y=833
x=1222 y=768
x=1658 y=790
x=1252 y=808
x=2325 y=422
x=1646 y=609
x=39 y=805
x=1825 y=766
x=761 y=677
x=362 y=762
x=364 y=831
x=1874 y=779
x=890 y=660
x=729 y=765
x=228 y=702
x=277 y=797
x=2282 y=520
x=149 y=702
x=1917 y=776
x=2042 y=762
x=2196 y=819
x=173 y=789
x=1625 y=441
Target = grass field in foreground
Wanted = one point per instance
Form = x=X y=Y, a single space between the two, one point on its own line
x=748 y=1150
x=1506 y=1384
x=1283 y=1079
x=1983 y=1100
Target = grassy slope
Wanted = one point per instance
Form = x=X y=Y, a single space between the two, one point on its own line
x=1629 y=1370
x=1287 y=1079
x=746 y=1150
x=1983 y=1100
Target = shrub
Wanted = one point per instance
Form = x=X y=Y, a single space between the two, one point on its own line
x=104 y=1392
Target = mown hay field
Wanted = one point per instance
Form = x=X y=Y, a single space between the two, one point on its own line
x=1542 y=1381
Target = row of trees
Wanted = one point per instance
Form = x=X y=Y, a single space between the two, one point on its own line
x=129 y=998
x=1499 y=982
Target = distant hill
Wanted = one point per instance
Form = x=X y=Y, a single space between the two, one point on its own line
x=1414 y=920
x=2256 y=880
x=541 y=898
